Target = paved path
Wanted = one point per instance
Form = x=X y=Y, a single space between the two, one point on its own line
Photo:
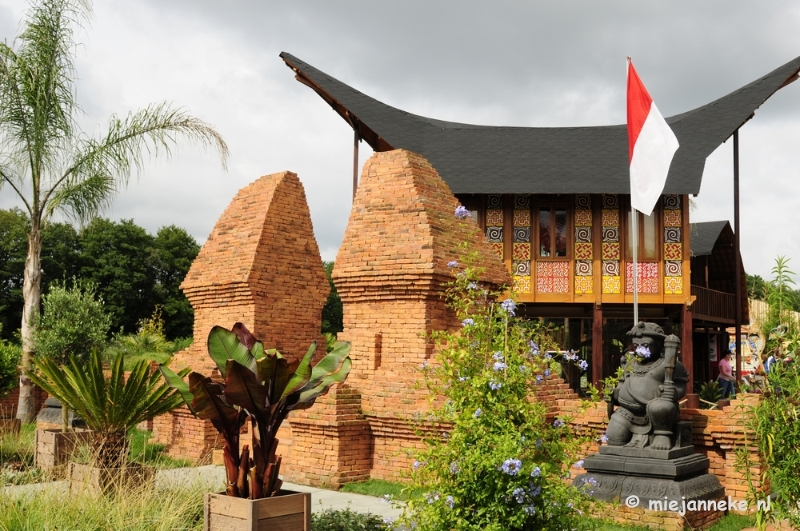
x=214 y=477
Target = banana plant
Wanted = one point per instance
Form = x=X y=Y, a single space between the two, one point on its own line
x=263 y=387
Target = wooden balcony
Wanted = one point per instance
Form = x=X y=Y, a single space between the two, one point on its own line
x=712 y=305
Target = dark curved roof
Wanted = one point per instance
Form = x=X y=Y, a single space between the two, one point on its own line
x=705 y=235
x=547 y=160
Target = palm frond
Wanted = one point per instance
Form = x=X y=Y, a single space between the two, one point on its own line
x=110 y=160
x=107 y=404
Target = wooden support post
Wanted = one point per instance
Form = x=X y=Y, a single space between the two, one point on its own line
x=597 y=344
x=687 y=356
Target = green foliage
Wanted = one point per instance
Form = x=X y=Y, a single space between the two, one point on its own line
x=756 y=287
x=111 y=405
x=149 y=508
x=263 y=386
x=710 y=394
x=492 y=459
x=151 y=454
x=347 y=520
x=147 y=344
x=16 y=458
x=780 y=296
x=10 y=356
x=60 y=259
x=775 y=422
x=332 y=312
x=73 y=322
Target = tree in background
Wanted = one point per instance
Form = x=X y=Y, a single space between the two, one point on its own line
x=332 y=312
x=49 y=162
x=60 y=259
x=72 y=325
x=116 y=257
x=73 y=322
x=174 y=250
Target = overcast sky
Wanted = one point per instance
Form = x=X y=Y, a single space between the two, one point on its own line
x=518 y=63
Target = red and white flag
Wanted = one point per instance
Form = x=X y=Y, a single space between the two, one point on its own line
x=652 y=145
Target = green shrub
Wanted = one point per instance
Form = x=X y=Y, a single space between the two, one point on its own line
x=775 y=422
x=347 y=520
x=710 y=394
x=10 y=356
x=73 y=322
x=492 y=459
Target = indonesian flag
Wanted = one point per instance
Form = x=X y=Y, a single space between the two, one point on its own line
x=652 y=145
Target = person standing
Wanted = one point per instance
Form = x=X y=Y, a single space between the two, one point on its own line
x=725 y=378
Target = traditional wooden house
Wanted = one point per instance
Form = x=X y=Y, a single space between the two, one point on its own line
x=555 y=206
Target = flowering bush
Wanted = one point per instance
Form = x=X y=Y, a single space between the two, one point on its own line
x=492 y=459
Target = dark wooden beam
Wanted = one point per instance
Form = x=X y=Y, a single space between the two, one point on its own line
x=597 y=345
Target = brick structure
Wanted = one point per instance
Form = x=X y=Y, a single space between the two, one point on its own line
x=390 y=272
x=261 y=266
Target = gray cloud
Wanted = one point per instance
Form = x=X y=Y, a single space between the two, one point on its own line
x=543 y=63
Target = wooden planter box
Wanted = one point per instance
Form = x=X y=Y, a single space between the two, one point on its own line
x=9 y=426
x=94 y=481
x=54 y=448
x=288 y=511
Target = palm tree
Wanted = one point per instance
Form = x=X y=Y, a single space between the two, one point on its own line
x=49 y=162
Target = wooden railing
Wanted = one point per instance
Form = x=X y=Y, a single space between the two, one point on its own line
x=714 y=305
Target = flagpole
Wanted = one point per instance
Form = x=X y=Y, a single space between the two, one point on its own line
x=635 y=230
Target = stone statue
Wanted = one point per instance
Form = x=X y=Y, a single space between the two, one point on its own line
x=649 y=456
x=647 y=395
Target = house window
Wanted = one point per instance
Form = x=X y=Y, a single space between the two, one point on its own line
x=648 y=241
x=552 y=231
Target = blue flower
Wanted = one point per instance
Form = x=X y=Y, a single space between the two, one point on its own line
x=534 y=345
x=454 y=468
x=431 y=497
x=497 y=356
x=604 y=439
x=583 y=364
x=579 y=464
x=509 y=306
x=519 y=494
x=523 y=369
x=530 y=509
x=463 y=378
x=499 y=366
x=535 y=490
x=452 y=263
x=495 y=385
x=536 y=472
x=643 y=351
x=450 y=501
x=548 y=356
x=511 y=466
x=461 y=213
x=591 y=481
x=467 y=322
x=538 y=378
x=547 y=372
x=386 y=498
x=472 y=285
x=478 y=413
x=558 y=423
x=538 y=443
x=417 y=464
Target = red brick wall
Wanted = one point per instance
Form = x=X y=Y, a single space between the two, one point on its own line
x=8 y=403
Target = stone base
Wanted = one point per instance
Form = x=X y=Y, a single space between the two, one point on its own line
x=642 y=492
x=625 y=451
x=680 y=467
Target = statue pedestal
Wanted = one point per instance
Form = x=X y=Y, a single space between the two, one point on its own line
x=642 y=475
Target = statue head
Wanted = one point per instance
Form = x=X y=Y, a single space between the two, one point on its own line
x=650 y=335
